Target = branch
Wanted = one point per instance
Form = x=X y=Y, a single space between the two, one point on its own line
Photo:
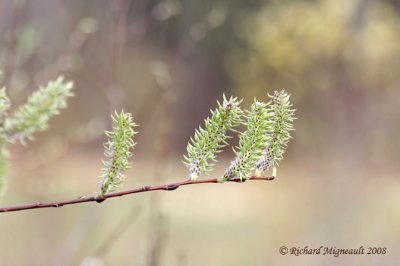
x=99 y=199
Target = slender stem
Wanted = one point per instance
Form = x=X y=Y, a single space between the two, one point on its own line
x=98 y=199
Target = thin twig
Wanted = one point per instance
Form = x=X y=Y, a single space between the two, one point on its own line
x=98 y=199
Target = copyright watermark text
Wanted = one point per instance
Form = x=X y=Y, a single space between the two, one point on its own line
x=332 y=251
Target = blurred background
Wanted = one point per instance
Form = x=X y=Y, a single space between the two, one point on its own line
x=168 y=62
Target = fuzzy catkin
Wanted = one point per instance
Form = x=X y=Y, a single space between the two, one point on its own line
x=279 y=132
x=252 y=142
x=264 y=163
x=208 y=141
x=35 y=114
x=31 y=117
x=117 y=151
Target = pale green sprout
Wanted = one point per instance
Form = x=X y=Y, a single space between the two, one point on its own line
x=117 y=151
x=210 y=140
x=35 y=114
x=252 y=142
x=278 y=132
x=29 y=118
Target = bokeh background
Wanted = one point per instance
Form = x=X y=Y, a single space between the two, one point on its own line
x=168 y=62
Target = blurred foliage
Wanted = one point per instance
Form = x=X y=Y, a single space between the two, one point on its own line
x=340 y=59
x=303 y=43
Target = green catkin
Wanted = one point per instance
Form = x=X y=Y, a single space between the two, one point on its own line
x=35 y=114
x=279 y=132
x=208 y=141
x=117 y=151
x=29 y=118
x=252 y=142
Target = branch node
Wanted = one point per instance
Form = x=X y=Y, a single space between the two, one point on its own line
x=100 y=199
x=146 y=188
x=172 y=187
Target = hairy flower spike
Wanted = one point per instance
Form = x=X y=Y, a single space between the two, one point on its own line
x=210 y=140
x=117 y=151
x=252 y=142
x=34 y=115
x=31 y=117
x=279 y=132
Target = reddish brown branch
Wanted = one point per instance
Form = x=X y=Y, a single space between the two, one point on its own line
x=166 y=187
